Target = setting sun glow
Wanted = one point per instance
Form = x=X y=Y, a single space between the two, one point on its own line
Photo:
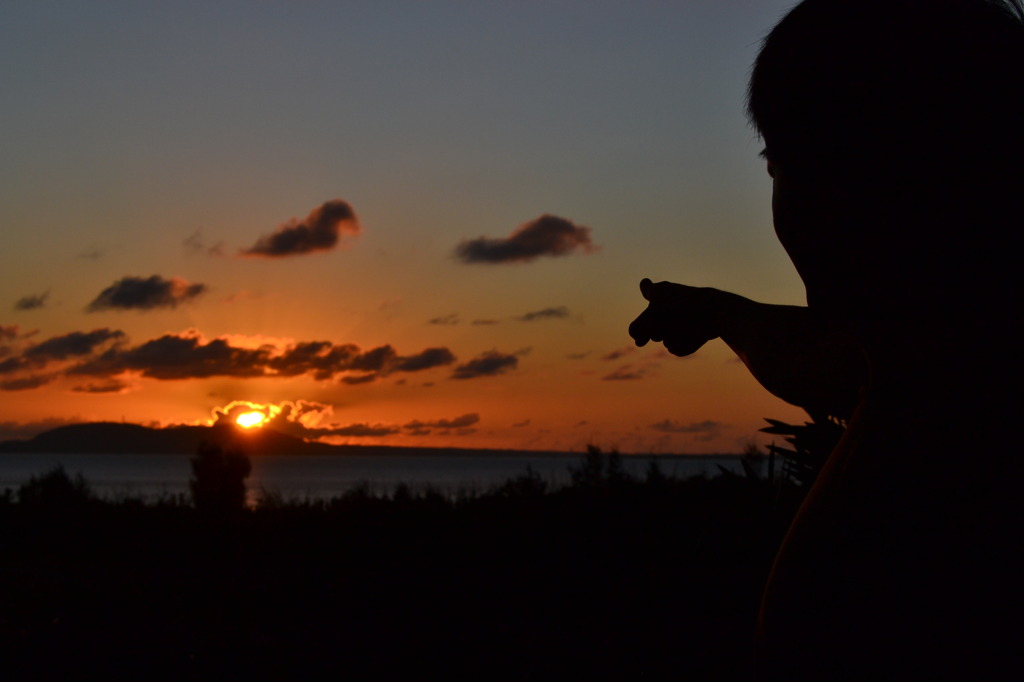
x=250 y=419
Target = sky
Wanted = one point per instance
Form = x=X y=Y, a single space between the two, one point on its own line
x=405 y=223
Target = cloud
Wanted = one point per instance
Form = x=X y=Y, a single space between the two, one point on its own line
x=462 y=422
x=106 y=354
x=322 y=358
x=452 y=318
x=74 y=344
x=190 y=356
x=578 y=356
x=195 y=244
x=9 y=332
x=545 y=314
x=180 y=357
x=547 y=235
x=325 y=359
x=484 y=322
x=57 y=349
x=319 y=231
x=519 y=425
x=32 y=301
x=26 y=383
x=12 y=365
x=705 y=430
x=364 y=430
x=627 y=373
x=490 y=363
x=109 y=386
x=145 y=293
x=427 y=359
x=619 y=353
x=360 y=379
x=299 y=418
x=378 y=359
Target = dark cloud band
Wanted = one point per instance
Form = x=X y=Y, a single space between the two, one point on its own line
x=547 y=235
x=490 y=363
x=145 y=293
x=32 y=301
x=319 y=231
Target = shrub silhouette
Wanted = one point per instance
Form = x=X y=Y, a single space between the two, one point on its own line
x=527 y=485
x=752 y=461
x=598 y=469
x=56 y=490
x=812 y=443
x=218 y=478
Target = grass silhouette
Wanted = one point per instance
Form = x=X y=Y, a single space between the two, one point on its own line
x=610 y=576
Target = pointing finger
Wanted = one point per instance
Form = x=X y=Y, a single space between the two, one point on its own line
x=645 y=288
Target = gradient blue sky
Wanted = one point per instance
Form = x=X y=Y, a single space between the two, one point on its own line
x=138 y=137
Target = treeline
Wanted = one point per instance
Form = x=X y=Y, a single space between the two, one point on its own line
x=610 y=576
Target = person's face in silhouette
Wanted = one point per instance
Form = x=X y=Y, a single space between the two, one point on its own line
x=811 y=210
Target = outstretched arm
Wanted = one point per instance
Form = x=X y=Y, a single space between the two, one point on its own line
x=788 y=349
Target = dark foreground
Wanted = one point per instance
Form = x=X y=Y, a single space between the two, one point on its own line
x=612 y=579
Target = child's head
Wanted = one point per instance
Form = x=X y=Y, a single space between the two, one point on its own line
x=903 y=80
x=896 y=129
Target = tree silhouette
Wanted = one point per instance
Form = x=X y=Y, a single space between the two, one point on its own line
x=218 y=478
x=55 y=490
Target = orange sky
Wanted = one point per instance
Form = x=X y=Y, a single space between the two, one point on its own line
x=421 y=228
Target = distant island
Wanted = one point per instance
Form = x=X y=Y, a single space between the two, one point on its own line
x=114 y=438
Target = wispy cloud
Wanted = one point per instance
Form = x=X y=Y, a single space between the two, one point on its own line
x=546 y=314
x=32 y=301
x=627 y=373
x=490 y=363
x=618 y=353
x=196 y=244
x=458 y=424
x=34 y=363
x=318 y=231
x=450 y=319
x=26 y=383
x=363 y=430
x=108 y=386
x=644 y=367
x=73 y=344
x=547 y=235
x=705 y=430
x=426 y=359
x=146 y=293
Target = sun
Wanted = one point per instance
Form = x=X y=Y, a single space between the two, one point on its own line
x=248 y=420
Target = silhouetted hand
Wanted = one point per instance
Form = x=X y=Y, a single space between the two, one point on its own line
x=683 y=318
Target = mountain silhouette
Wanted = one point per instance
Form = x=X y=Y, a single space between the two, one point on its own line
x=115 y=438
x=118 y=438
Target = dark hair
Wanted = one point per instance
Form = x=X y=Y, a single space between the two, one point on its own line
x=923 y=80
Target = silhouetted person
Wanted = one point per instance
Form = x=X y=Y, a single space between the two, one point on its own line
x=895 y=139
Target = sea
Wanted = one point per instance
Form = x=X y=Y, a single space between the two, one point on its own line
x=305 y=477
